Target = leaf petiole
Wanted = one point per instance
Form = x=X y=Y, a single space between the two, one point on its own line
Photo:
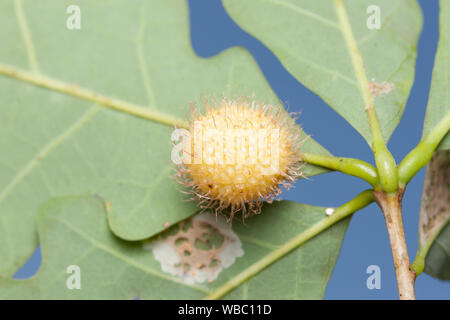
x=422 y=153
x=353 y=167
x=386 y=166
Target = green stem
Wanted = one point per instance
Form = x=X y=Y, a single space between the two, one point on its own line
x=422 y=153
x=353 y=167
x=359 y=202
x=386 y=166
x=76 y=91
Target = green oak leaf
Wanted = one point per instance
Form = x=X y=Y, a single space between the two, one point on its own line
x=54 y=144
x=434 y=227
x=74 y=231
x=439 y=98
x=307 y=37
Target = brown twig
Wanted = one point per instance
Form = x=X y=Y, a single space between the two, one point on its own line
x=391 y=205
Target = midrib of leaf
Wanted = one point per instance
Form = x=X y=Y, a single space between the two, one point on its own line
x=130 y=108
x=344 y=26
x=299 y=10
x=353 y=51
x=384 y=160
x=40 y=80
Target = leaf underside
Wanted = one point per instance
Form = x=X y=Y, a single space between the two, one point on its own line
x=74 y=231
x=55 y=145
x=435 y=206
x=439 y=98
x=307 y=38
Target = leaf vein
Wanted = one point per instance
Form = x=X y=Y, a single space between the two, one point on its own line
x=23 y=25
x=21 y=174
x=142 y=63
x=304 y=12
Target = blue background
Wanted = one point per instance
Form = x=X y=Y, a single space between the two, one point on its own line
x=366 y=242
